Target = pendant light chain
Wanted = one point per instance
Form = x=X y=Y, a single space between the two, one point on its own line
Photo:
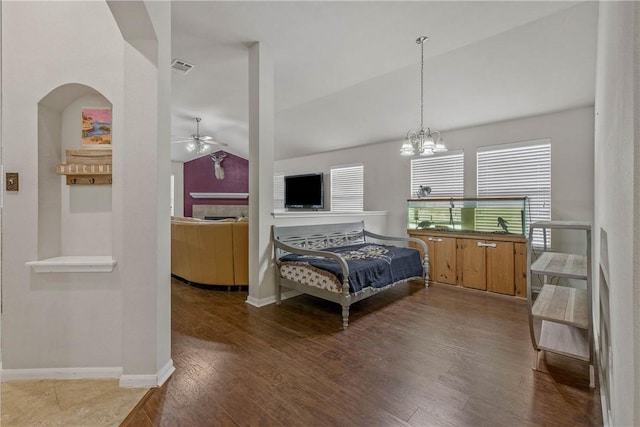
x=422 y=85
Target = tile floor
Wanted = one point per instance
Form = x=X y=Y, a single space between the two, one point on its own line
x=66 y=403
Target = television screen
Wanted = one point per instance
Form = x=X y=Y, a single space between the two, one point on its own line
x=304 y=191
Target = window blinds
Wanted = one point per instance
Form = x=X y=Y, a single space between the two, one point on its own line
x=522 y=169
x=347 y=188
x=278 y=192
x=443 y=173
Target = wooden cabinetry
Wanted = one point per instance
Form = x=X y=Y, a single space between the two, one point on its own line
x=442 y=258
x=486 y=265
x=492 y=263
x=472 y=271
x=563 y=311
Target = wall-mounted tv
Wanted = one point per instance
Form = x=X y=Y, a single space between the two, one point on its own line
x=304 y=191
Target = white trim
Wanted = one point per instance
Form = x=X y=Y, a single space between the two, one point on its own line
x=311 y=214
x=510 y=145
x=165 y=372
x=148 y=381
x=219 y=195
x=261 y=302
x=59 y=374
x=74 y=264
x=138 y=381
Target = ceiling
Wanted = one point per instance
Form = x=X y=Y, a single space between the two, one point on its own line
x=348 y=73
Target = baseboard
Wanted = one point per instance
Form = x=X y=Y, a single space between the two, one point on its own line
x=148 y=381
x=138 y=381
x=261 y=302
x=165 y=372
x=59 y=374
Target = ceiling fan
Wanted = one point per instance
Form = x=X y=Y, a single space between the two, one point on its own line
x=197 y=143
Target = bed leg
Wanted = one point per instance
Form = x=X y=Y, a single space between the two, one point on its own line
x=345 y=316
x=278 y=296
x=425 y=270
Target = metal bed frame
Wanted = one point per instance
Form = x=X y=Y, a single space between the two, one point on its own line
x=311 y=240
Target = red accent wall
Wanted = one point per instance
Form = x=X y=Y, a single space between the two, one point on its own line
x=199 y=177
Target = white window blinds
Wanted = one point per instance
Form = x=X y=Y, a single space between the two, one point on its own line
x=347 y=188
x=278 y=192
x=443 y=173
x=522 y=169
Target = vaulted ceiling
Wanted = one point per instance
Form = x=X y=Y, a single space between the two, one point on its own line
x=348 y=73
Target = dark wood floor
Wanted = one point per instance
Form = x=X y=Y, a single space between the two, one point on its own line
x=411 y=356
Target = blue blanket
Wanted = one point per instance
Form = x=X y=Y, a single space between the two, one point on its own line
x=369 y=264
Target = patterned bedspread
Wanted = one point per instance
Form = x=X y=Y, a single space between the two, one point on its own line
x=369 y=265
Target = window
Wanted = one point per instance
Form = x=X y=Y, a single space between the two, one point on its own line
x=521 y=169
x=443 y=173
x=347 y=188
x=278 y=192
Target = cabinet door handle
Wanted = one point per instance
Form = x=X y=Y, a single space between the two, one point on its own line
x=486 y=245
x=430 y=239
x=438 y=240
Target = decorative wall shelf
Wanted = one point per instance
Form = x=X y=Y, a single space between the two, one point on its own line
x=219 y=195
x=74 y=264
x=87 y=167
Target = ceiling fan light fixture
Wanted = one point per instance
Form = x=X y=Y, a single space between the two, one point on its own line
x=203 y=148
x=199 y=144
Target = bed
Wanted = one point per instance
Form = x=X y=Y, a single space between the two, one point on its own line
x=344 y=263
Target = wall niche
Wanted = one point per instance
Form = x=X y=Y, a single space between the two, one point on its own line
x=74 y=221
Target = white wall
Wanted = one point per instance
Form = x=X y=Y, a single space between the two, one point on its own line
x=387 y=174
x=86 y=210
x=91 y=320
x=53 y=320
x=617 y=197
x=177 y=168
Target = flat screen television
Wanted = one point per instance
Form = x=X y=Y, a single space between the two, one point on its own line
x=304 y=191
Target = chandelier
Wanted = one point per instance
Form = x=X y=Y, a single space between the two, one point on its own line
x=428 y=142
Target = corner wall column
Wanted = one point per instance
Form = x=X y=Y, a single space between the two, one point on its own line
x=261 y=130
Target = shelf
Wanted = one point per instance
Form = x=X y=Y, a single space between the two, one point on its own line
x=561 y=265
x=563 y=304
x=219 y=195
x=564 y=311
x=567 y=225
x=87 y=167
x=310 y=214
x=74 y=264
x=565 y=340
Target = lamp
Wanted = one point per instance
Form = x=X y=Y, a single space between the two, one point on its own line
x=428 y=142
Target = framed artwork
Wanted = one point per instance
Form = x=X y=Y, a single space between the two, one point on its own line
x=96 y=127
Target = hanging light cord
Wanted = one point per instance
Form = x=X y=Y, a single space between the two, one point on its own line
x=421 y=40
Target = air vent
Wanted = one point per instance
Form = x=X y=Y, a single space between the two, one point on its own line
x=181 y=66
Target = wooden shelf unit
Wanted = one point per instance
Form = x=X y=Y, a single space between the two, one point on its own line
x=564 y=311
